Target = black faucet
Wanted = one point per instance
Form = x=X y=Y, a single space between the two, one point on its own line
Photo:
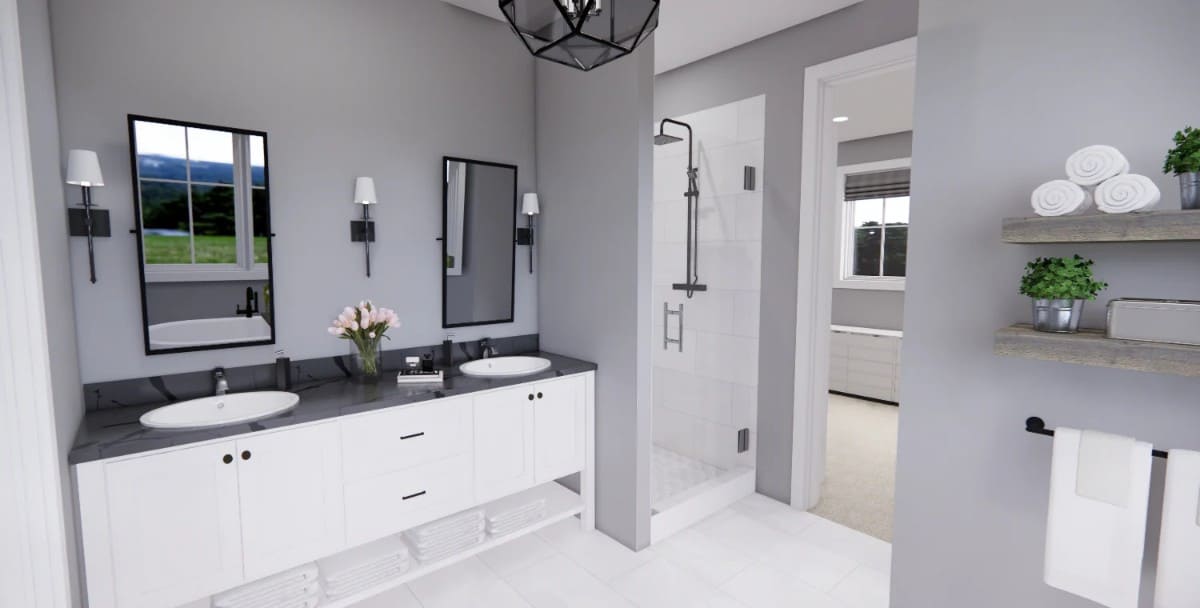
x=251 y=304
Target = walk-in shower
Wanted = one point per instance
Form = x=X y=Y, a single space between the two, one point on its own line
x=705 y=378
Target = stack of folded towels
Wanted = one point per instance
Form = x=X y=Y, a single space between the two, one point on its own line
x=297 y=588
x=442 y=538
x=364 y=567
x=1098 y=174
x=513 y=513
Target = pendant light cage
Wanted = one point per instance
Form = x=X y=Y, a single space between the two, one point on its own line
x=583 y=34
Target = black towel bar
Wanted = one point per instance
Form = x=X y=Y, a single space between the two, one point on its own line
x=1037 y=426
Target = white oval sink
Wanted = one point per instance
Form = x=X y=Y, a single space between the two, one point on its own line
x=208 y=412
x=504 y=367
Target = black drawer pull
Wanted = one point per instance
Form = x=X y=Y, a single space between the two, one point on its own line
x=421 y=493
x=413 y=436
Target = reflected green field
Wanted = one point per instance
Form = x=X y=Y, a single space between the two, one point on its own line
x=161 y=249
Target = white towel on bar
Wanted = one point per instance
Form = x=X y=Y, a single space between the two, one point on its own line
x=1127 y=193
x=1178 y=575
x=290 y=582
x=1091 y=165
x=1060 y=197
x=1094 y=548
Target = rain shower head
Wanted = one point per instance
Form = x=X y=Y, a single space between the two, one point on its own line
x=663 y=139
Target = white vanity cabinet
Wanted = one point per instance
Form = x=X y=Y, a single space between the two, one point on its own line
x=169 y=527
x=184 y=523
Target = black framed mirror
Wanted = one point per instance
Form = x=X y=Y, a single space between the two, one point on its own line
x=479 y=221
x=202 y=203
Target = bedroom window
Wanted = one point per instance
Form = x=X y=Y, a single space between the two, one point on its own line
x=874 y=228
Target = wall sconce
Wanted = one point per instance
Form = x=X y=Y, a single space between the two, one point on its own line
x=83 y=170
x=363 y=231
x=529 y=208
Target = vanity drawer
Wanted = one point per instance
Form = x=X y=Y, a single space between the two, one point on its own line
x=403 y=438
x=395 y=502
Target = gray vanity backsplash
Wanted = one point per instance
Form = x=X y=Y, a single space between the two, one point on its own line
x=190 y=385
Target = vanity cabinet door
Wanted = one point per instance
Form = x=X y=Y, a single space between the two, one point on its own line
x=504 y=444
x=558 y=428
x=290 y=484
x=173 y=530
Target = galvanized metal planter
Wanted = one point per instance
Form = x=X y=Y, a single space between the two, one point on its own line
x=1189 y=190
x=1057 y=316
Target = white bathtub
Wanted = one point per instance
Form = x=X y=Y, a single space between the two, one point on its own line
x=207 y=332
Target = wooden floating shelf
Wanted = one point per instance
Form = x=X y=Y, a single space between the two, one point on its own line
x=1090 y=347
x=1104 y=228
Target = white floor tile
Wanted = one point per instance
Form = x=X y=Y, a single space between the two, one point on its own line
x=712 y=561
x=518 y=553
x=811 y=564
x=600 y=555
x=776 y=514
x=558 y=582
x=661 y=583
x=863 y=548
x=465 y=585
x=761 y=586
x=864 y=588
x=401 y=597
x=740 y=532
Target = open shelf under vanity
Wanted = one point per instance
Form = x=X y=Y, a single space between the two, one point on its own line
x=1091 y=347
x=1173 y=225
x=561 y=504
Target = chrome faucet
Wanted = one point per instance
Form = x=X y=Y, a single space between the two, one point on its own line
x=221 y=382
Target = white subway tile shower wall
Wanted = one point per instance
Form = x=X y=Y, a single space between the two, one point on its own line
x=703 y=395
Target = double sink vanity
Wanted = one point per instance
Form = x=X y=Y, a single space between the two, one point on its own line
x=170 y=516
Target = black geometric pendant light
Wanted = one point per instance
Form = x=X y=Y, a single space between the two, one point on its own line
x=583 y=34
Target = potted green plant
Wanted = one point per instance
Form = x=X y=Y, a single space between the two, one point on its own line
x=1059 y=287
x=1184 y=161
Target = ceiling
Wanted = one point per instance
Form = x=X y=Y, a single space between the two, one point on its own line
x=690 y=30
x=876 y=105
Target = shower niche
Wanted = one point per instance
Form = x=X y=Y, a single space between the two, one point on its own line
x=707 y=258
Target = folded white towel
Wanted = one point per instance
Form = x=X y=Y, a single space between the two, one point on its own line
x=308 y=602
x=1094 y=548
x=284 y=582
x=271 y=597
x=1178 y=583
x=513 y=505
x=1060 y=197
x=383 y=550
x=448 y=538
x=444 y=551
x=1127 y=193
x=395 y=563
x=350 y=586
x=1091 y=165
x=447 y=525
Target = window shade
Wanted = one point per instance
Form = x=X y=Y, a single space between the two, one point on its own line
x=861 y=186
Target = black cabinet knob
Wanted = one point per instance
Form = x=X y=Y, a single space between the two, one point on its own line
x=539 y=395
x=531 y=396
x=227 y=459
x=246 y=455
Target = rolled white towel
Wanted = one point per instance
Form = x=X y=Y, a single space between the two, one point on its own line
x=1091 y=165
x=1127 y=193
x=1060 y=197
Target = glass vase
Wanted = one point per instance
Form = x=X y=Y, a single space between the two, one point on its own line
x=366 y=361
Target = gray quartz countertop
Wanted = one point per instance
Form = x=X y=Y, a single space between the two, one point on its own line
x=109 y=433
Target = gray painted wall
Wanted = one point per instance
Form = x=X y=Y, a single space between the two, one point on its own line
x=41 y=106
x=866 y=307
x=998 y=111
x=775 y=66
x=373 y=87
x=595 y=168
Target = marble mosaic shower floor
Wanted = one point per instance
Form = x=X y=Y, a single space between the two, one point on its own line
x=672 y=473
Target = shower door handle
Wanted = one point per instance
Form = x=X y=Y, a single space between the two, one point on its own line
x=667 y=314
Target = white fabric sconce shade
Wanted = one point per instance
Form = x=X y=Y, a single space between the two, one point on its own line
x=83 y=169
x=364 y=191
x=529 y=204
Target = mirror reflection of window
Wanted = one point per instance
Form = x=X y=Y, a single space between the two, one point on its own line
x=203 y=201
x=456 y=211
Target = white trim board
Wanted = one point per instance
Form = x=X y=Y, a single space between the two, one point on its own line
x=33 y=553
x=815 y=274
x=843 y=229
